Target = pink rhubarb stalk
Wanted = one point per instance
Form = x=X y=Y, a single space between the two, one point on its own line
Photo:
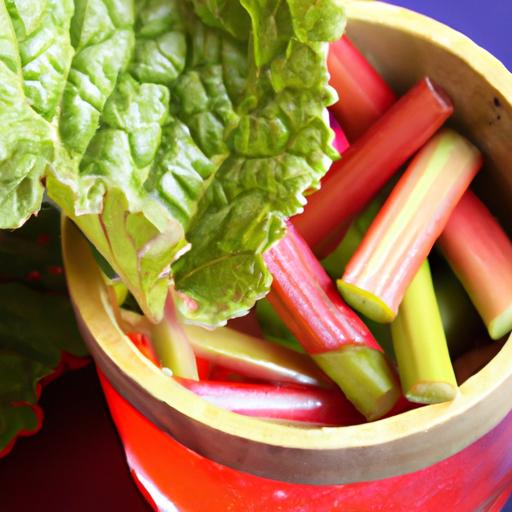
x=288 y=403
x=480 y=253
x=372 y=160
x=364 y=95
x=307 y=301
x=407 y=226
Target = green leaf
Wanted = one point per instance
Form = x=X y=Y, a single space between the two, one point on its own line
x=25 y=138
x=35 y=328
x=280 y=147
x=166 y=125
x=102 y=35
x=32 y=253
x=37 y=322
x=42 y=31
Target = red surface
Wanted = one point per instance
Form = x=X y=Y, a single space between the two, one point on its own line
x=179 y=479
x=76 y=462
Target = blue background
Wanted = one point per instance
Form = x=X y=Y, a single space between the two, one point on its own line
x=488 y=23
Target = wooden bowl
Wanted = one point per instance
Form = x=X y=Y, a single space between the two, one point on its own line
x=404 y=46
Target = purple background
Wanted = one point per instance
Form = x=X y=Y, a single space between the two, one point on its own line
x=487 y=22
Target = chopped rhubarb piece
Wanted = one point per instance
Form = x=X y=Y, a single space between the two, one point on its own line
x=223 y=374
x=424 y=365
x=480 y=253
x=407 y=226
x=254 y=357
x=291 y=403
x=363 y=95
x=172 y=345
x=307 y=301
x=372 y=160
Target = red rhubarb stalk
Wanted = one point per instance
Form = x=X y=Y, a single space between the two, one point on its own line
x=330 y=243
x=364 y=95
x=307 y=301
x=289 y=403
x=480 y=253
x=371 y=161
x=405 y=229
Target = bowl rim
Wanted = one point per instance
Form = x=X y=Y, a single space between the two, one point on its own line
x=482 y=402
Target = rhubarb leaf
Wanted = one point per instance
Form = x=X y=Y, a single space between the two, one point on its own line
x=32 y=254
x=36 y=320
x=45 y=49
x=35 y=328
x=25 y=142
x=280 y=147
x=166 y=125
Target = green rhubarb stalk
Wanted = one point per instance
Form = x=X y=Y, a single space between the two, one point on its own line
x=424 y=365
x=172 y=345
x=480 y=253
x=407 y=226
x=254 y=357
x=366 y=378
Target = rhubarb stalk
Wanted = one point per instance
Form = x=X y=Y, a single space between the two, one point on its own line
x=290 y=403
x=420 y=345
x=354 y=180
x=307 y=301
x=172 y=345
x=405 y=229
x=480 y=253
x=363 y=95
x=253 y=357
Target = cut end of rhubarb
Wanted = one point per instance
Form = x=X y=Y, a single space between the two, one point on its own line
x=366 y=303
x=432 y=392
x=441 y=95
x=501 y=325
x=365 y=377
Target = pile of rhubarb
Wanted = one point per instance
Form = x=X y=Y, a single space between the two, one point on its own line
x=390 y=289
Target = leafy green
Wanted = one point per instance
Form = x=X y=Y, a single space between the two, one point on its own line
x=36 y=319
x=32 y=253
x=25 y=139
x=279 y=147
x=167 y=126
x=42 y=31
x=35 y=328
